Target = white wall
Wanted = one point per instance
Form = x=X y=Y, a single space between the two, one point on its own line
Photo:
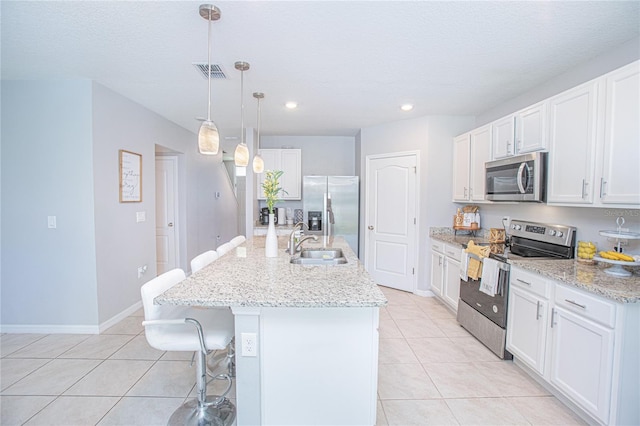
x=84 y=273
x=432 y=136
x=48 y=275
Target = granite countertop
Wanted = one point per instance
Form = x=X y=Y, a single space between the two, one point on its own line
x=589 y=277
x=245 y=277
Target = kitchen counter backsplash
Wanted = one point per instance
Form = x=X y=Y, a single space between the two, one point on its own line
x=589 y=277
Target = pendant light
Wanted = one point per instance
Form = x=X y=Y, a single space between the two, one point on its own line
x=208 y=136
x=241 y=156
x=258 y=162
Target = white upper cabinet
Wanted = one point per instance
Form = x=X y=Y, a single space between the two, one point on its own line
x=620 y=179
x=572 y=145
x=531 y=128
x=290 y=162
x=594 y=142
x=503 y=137
x=470 y=152
x=461 y=172
x=480 y=154
x=522 y=132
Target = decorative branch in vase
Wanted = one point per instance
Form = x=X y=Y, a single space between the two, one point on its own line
x=271 y=187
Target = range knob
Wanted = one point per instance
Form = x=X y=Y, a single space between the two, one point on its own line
x=518 y=227
x=552 y=232
x=559 y=234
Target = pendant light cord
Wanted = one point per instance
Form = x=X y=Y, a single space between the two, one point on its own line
x=241 y=107
x=209 y=66
x=258 y=126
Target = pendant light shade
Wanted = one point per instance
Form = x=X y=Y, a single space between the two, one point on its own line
x=258 y=162
x=241 y=156
x=208 y=136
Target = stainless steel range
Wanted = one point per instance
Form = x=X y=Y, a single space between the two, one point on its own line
x=485 y=315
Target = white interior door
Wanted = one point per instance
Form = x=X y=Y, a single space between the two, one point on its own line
x=166 y=214
x=390 y=238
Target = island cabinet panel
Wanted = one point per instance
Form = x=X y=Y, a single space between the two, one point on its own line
x=319 y=365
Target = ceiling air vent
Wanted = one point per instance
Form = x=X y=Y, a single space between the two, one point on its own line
x=216 y=71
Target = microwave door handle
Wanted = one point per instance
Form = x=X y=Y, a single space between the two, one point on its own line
x=519 y=178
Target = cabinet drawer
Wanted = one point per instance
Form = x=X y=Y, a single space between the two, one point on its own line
x=453 y=252
x=530 y=282
x=437 y=246
x=586 y=305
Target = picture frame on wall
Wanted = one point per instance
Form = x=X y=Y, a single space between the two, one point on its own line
x=130 y=176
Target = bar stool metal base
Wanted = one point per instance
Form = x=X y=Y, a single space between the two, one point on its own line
x=211 y=413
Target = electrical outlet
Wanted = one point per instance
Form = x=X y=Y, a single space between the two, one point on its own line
x=141 y=270
x=249 y=344
x=506 y=221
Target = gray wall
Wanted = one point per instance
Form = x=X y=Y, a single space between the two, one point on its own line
x=432 y=136
x=615 y=58
x=48 y=275
x=84 y=274
x=321 y=156
x=588 y=220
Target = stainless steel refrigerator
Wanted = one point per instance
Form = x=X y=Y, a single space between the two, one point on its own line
x=331 y=206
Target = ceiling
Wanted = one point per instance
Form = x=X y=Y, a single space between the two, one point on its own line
x=349 y=64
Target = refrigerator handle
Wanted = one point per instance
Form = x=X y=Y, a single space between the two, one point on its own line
x=330 y=218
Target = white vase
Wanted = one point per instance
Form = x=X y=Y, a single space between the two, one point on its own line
x=271 y=242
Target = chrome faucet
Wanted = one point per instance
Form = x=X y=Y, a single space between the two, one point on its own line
x=302 y=240
x=292 y=237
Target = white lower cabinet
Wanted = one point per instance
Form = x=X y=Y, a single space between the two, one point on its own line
x=581 y=361
x=584 y=346
x=445 y=272
x=527 y=327
x=437 y=267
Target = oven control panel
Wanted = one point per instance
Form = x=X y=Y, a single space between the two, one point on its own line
x=556 y=234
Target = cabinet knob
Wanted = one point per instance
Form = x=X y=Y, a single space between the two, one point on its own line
x=370 y=228
x=170 y=224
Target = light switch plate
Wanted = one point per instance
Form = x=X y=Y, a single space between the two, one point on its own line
x=141 y=216
x=51 y=222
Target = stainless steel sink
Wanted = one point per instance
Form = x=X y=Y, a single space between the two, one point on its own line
x=320 y=257
x=322 y=253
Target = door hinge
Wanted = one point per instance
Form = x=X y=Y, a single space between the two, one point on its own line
x=413 y=271
x=414 y=220
x=415 y=169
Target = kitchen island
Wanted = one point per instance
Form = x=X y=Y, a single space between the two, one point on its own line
x=316 y=331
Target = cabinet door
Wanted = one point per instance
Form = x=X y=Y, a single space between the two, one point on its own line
x=572 y=145
x=480 y=153
x=502 y=137
x=451 y=287
x=271 y=158
x=527 y=328
x=620 y=182
x=461 y=168
x=437 y=265
x=531 y=131
x=291 y=180
x=582 y=361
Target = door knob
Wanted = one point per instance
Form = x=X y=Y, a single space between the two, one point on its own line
x=170 y=225
x=370 y=228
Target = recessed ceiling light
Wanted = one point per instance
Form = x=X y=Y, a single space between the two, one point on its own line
x=406 y=107
x=291 y=105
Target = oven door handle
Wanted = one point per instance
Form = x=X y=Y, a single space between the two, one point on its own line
x=521 y=170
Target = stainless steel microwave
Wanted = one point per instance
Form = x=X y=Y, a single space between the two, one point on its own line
x=518 y=178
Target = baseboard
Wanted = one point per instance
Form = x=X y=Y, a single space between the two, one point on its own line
x=69 y=329
x=49 y=329
x=424 y=293
x=119 y=317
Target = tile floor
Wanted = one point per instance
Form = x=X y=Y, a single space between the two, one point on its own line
x=432 y=372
